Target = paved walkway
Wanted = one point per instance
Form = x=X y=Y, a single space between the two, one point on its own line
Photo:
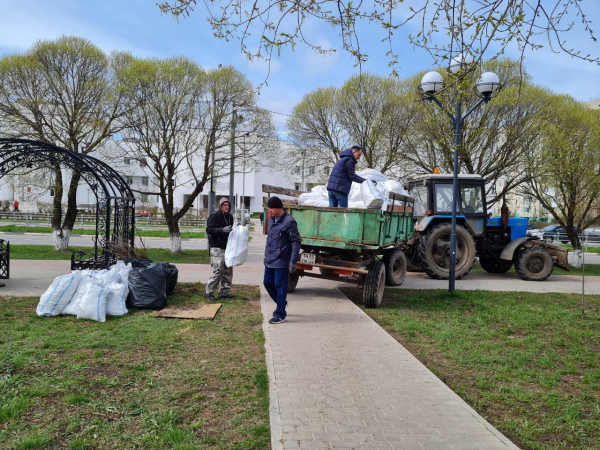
x=338 y=380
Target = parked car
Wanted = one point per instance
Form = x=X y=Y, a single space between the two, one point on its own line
x=550 y=232
x=592 y=234
x=246 y=216
x=532 y=231
x=143 y=212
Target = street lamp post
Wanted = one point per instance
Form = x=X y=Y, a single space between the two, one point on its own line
x=431 y=83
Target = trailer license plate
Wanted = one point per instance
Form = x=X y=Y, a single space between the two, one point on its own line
x=309 y=258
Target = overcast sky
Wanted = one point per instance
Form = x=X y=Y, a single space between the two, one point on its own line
x=138 y=26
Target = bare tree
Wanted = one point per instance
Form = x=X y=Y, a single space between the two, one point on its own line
x=445 y=28
x=566 y=169
x=497 y=139
x=178 y=127
x=64 y=92
x=369 y=110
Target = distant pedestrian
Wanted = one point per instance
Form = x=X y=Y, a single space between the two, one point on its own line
x=262 y=217
x=342 y=176
x=218 y=227
x=281 y=256
x=16 y=206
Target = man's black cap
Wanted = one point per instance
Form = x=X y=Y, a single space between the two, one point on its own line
x=275 y=202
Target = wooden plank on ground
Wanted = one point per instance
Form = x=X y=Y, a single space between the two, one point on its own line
x=206 y=312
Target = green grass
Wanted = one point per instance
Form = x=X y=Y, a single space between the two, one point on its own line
x=91 y=232
x=587 y=249
x=590 y=270
x=46 y=252
x=529 y=363
x=135 y=381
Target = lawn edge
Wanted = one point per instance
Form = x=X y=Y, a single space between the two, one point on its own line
x=274 y=408
x=509 y=444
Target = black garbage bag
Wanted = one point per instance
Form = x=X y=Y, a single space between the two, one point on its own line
x=147 y=287
x=136 y=263
x=171 y=274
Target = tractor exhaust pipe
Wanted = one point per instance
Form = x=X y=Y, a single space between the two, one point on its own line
x=504 y=210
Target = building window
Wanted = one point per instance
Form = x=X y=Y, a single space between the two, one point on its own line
x=129 y=181
x=144 y=181
x=325 y=170
x=144 y=198
x=51 y=192
x=142 y=163
x=297 y=186
x=297 y=170
x=127 y=161
x=311 y=171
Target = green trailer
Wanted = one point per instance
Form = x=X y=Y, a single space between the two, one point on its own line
x=362 y=246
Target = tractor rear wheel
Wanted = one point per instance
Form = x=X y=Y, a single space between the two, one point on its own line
x=490 y=265
x=374 y=285
x=534 y=264
x=434 y=251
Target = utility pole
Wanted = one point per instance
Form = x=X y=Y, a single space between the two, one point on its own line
x=212 y=195
x=232 y=161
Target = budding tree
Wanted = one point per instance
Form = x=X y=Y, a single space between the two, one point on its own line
x=64 y=92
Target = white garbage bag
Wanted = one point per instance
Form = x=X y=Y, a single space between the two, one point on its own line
x=93 y=303
x=313 y=199
x=73 y=307
x=372 y=174
x=371 y=196
x=58 y=295
x=116 y=302
x=236 y=251
x=393 y=186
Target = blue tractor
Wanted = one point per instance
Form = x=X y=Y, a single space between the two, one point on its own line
x=498 y=242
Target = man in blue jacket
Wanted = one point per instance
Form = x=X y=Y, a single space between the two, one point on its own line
x=342 y=176
x=281 y=255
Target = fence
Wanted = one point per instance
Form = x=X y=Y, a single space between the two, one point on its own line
x=44 y=219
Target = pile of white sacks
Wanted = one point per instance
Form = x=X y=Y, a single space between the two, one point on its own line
x=365 y=195
x=88 y=294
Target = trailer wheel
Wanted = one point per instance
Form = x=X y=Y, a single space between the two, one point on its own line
x=534 y=264
x=490 y=265
x=374 y=285
x=293 y=281
x=326 y=272
x=395 y=267
x=435 y=252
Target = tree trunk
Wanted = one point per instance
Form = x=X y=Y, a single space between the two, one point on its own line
x=174 y=235
x=61 y=239
x=57 y=232
x=577 y=258
x=71 y=213
x=175 y=242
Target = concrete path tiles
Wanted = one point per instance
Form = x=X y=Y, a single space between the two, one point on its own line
x=339 y=381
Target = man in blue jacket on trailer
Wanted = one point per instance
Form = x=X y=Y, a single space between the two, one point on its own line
x=342 y=176
x=281 y=256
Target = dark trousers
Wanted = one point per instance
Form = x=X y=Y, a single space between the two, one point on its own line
x=276 y=284
x=338 y=199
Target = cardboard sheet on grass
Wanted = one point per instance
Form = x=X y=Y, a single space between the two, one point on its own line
x=206 y=312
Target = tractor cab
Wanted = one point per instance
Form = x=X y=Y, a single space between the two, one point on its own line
x=433 y=201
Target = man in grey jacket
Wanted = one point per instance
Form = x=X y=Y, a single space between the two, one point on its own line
x=281 y=256
x=218 y=227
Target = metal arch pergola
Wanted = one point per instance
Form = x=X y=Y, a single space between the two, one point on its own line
x=115 y=202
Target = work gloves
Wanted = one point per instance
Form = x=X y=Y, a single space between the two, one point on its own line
x=293 y=267
x=227 y=229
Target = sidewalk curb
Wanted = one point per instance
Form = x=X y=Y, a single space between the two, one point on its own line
x=274 y=408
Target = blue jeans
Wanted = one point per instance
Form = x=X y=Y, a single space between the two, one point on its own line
x=276 y=284
x=338 y=199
